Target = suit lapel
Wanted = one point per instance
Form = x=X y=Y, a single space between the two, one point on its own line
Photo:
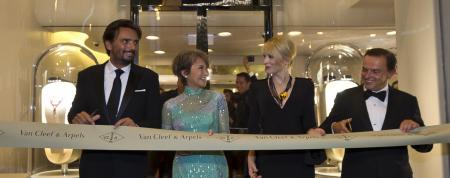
x=133 y=80
x=362 y=108
x=387 y=124
x=100 y=88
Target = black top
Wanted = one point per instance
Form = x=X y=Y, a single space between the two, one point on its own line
x=296 y=117
x=242 y=110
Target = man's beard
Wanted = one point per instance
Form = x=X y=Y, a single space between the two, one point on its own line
x=127 y=61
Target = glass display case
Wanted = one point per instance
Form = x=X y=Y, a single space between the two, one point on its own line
x=333 y=68
x=55 y=76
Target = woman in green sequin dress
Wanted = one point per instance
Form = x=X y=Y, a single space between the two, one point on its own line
x=196 y=110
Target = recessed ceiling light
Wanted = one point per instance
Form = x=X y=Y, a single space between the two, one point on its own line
x=159 y=52
x=294 y=33
x=224 y=34
x=261 y=44
x=279 y=33
x=210 y=50
x=391 y=33
x=320 y=33
x=152 y=37
x=373 y=35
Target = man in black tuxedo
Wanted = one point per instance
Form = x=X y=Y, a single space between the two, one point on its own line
x=117 y=93
x=375 y=106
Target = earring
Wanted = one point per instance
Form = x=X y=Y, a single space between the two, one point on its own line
x=185 y=76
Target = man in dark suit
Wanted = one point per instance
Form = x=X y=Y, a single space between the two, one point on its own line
x=375 y=106
x=117 y=93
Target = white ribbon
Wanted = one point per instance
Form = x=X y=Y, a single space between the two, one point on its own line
x=38 y=135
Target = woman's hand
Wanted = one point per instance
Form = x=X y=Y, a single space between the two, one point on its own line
x=210 y=132
x=252 y=170
x=316 y=132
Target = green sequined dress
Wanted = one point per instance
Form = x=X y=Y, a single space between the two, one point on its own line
x=197 y=110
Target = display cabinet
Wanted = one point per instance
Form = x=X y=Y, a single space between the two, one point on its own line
x=333 y=68
x=55 y=76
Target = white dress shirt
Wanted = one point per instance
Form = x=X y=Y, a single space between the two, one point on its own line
x=377 y=109
x=110 y=74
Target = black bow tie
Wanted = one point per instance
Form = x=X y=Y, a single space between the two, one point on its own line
x=380 y=95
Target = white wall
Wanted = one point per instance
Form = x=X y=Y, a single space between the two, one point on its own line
x=420 y=73
x=22 y=41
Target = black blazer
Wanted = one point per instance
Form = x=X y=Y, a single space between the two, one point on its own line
x=144 y=107
x=296 y=117
x=387 y=162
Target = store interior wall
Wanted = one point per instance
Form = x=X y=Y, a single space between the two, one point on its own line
x=23 y=40
x=444 y=9
x=421 y=74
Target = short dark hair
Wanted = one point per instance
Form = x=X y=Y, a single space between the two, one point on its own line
x=391 y=60
x=184 y=61
x=244 y=75
x=226 y=90
x=112 y=30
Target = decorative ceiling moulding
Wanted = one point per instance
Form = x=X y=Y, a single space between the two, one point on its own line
x=80 y=12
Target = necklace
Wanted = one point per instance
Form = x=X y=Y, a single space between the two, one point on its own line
x=283 y=95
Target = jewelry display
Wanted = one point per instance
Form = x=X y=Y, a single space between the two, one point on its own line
x=55 y=72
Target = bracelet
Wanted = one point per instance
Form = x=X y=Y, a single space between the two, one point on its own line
x=332 y=124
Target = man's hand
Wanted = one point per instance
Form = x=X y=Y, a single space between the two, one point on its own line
x=343 y=126
x=125 y=122
x=245 y=63
x=407 y=125
x=85 y=118
x=316 y=132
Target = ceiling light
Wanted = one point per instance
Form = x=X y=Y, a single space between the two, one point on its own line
x=151 y=37
x=320 y=33
x=224 y=34
x=373 y=35
x=210 y=50
x=261 y=44
x=294 y=33
x=391 y=33
x=280 y=33
x=159 y=52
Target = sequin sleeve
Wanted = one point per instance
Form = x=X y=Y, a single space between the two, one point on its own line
x=166 y=117
x=223 y=118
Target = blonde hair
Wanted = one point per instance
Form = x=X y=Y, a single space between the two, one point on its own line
x=282 y=45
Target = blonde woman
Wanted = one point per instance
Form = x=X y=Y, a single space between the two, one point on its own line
x=282 y=104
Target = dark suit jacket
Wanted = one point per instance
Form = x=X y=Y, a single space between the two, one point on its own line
x=143 y=107
x=387 y=162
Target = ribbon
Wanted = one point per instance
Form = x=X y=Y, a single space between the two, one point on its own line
x=98 y=137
